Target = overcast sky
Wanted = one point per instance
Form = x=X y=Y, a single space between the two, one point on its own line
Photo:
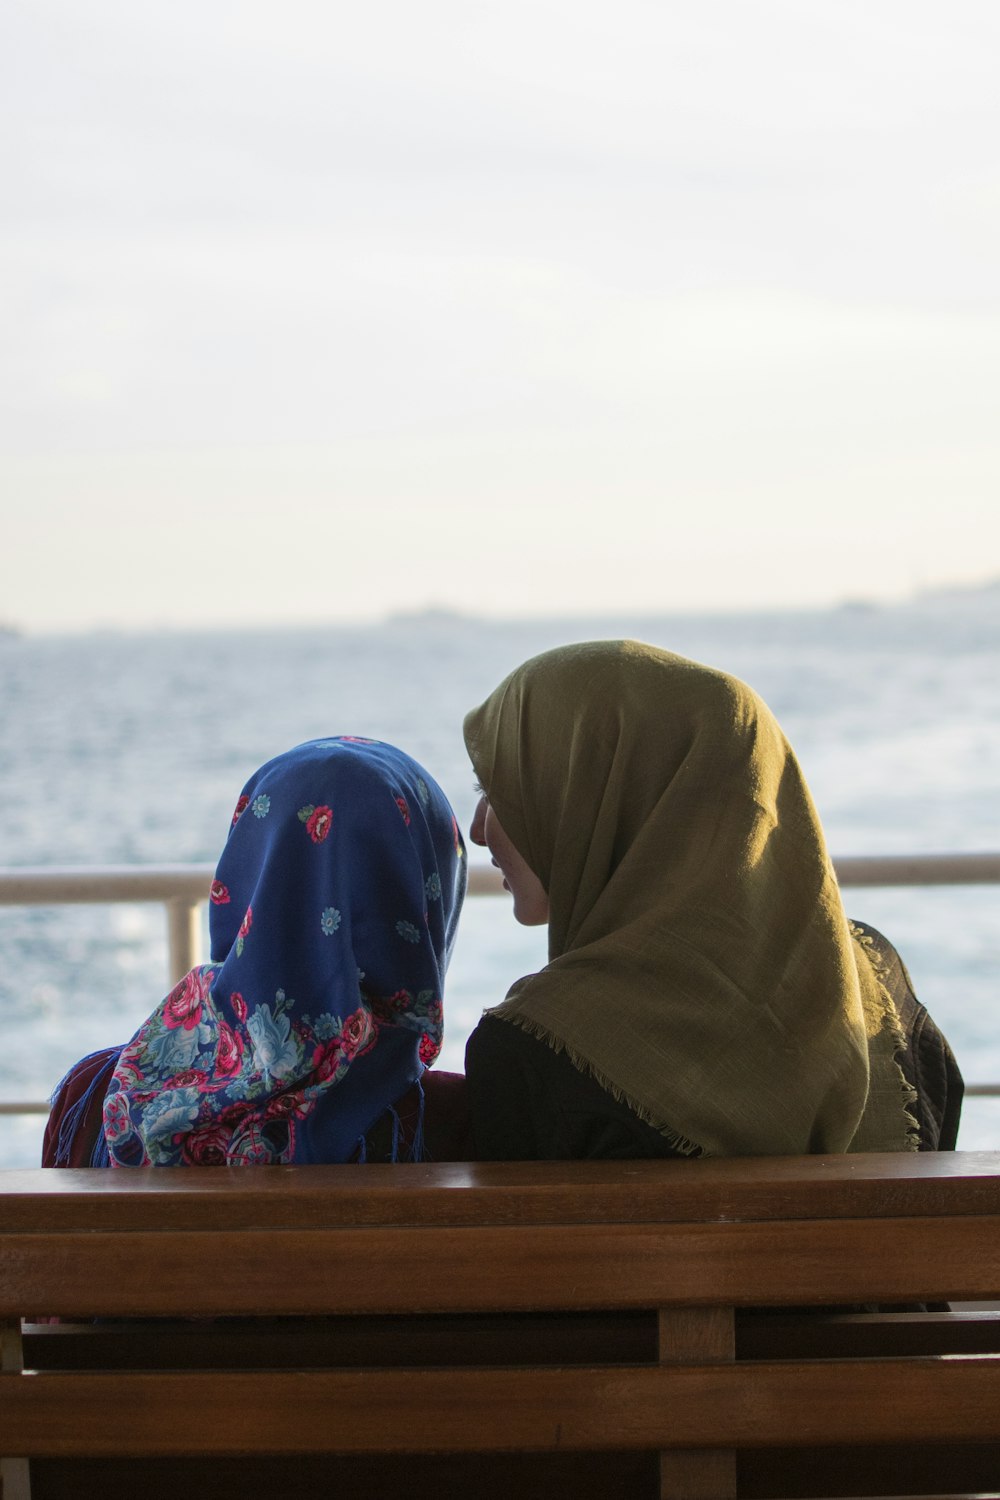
x=318 y=310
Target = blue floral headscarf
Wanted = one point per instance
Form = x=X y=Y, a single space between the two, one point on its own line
x=333 y=913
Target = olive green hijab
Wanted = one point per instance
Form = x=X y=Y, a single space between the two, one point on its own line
x=700 y=964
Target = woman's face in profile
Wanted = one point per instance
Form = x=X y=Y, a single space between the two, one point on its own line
x=531 y=904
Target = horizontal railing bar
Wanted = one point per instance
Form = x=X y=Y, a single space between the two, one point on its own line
x=58 y=885
x=918 y=869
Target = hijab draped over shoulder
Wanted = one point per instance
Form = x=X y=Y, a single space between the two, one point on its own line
x=332 y=916
x=701 y=967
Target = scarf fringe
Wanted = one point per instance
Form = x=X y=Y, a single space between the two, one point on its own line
x=75 y=1114
x=417 y=1150
x=674 y=1139
x=398 y=1150
x=889 y=1021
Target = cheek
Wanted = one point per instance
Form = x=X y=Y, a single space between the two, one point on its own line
x=494 y=837
x=536 y=905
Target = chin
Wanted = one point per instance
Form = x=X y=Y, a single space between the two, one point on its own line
x=530 y=918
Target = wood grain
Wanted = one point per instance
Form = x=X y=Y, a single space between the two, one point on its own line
x=101 y=1274
x=672 y=1320
x=876 y=1186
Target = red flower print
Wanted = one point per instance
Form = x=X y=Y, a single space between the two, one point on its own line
x=318 y=824
x=284 y=1104
x=189 y=1078
x=326 y=1060
x=219 y=894
x=233 y=1115
x=241 y=805
x=356 y=1030
x=245 y=927
x=182 y=1006
x=401 y=803
x=229 y=1052
x=390 y=1006
x=239 y=1005
x=207 y=1148
x=429 y=1048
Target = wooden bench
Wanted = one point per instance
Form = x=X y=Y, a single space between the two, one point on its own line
x=546 y=1329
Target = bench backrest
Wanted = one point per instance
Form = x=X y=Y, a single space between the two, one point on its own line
x=532 y=1310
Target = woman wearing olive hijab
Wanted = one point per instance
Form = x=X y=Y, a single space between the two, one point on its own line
x=705 y=993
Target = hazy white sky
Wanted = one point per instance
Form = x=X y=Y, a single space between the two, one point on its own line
x=315 y=309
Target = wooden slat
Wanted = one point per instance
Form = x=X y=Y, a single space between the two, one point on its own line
x=879 y=1186
x=590 y=1266
x=743 y=1405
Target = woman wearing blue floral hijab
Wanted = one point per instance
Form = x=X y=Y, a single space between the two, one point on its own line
x=333 y=913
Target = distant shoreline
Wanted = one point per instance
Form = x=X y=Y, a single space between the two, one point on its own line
x=435 y=617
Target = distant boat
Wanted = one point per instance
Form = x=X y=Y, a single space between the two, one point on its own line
x=430 y=616
x=857 y=607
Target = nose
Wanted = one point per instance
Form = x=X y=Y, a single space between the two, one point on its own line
x=477 y=828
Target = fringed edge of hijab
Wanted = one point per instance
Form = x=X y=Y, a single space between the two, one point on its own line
x=887 y=1122
x=679 y=1143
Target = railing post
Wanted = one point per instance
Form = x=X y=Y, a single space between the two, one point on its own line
x=183 y=937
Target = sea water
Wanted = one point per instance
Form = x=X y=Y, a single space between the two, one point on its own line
x=128 y=749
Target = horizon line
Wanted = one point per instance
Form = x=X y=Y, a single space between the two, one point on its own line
x=448 y=614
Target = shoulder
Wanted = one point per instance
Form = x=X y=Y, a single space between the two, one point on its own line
x=530 y=1100
x=927 y=1060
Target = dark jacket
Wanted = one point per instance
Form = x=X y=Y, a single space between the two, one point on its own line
x=529 y=1103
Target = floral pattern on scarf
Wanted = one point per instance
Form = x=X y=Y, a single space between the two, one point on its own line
x=332 y=920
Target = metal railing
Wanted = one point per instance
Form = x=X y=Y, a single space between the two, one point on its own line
x=183 y=889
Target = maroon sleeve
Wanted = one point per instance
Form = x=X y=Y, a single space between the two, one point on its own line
x=75 y=1123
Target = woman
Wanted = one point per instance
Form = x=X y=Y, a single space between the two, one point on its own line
x=333 y=913
x=705 y=993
